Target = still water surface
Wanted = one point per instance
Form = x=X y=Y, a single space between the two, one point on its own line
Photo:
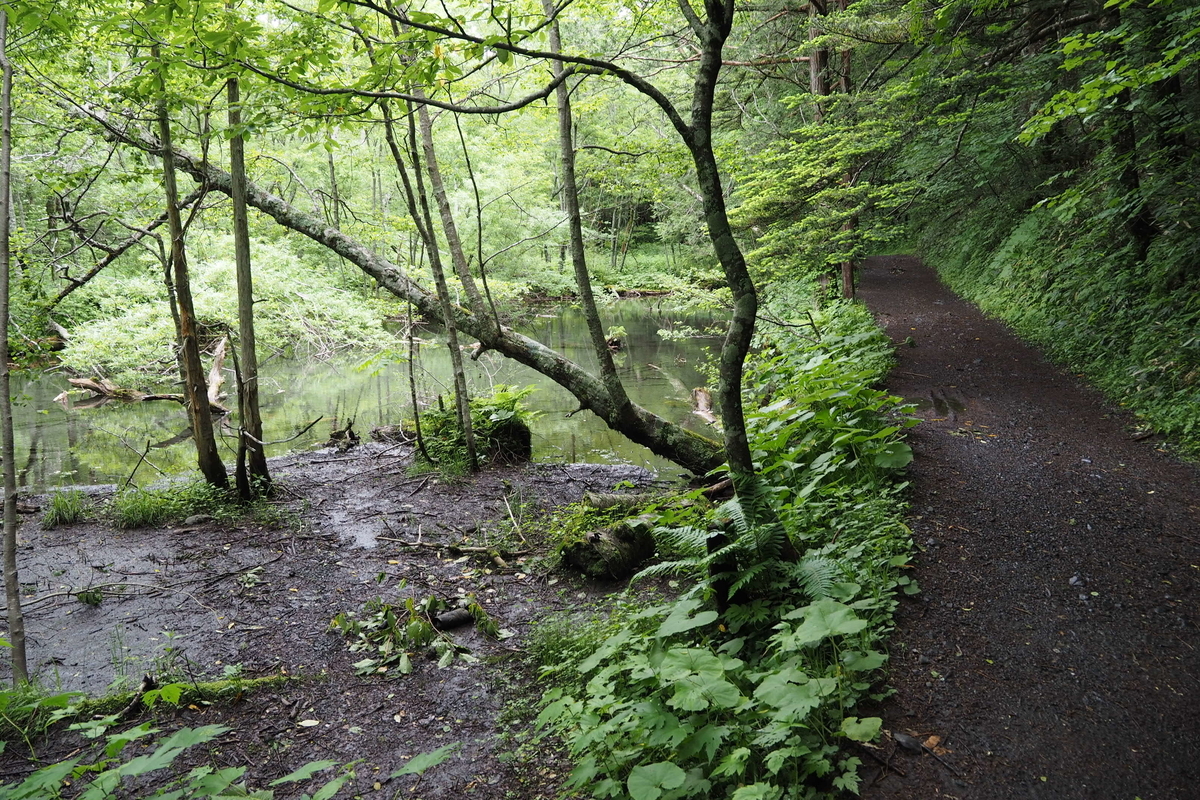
x=61 y=446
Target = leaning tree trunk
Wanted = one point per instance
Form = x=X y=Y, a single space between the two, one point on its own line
x=713 y=32
x=12 y=581
x=252 y=475
x=669 y=440
x=195 y=388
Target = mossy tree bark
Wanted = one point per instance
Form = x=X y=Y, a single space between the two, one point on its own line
x=12 y=581
x=251 y=474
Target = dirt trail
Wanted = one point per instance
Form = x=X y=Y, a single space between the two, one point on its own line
x=1053 y=647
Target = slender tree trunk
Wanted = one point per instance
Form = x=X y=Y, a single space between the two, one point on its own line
x=818 y=61
x=252 y=476
x=462 y=398
x=570 y=206
x=458 y=256
x=740 y=335
x=194 y=387
x=12 y=581
x=335 y=198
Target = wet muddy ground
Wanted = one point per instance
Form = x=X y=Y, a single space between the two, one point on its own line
x=207 y=598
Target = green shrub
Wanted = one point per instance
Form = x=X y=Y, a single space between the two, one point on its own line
x=65 y=508
x=135 y=507
x=500 y=424
x=752 y=693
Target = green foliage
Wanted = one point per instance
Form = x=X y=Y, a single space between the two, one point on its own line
x=1149 y=45
x=135 y=507
x=500 y=423
x=26 y=712
x=392 y=634
x=1129 y=327
x=122 y=327
x=65 y=508
x=679 y=700
x=820 y=196
x=111 y=776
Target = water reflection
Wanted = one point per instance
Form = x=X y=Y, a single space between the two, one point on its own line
x=61 y=445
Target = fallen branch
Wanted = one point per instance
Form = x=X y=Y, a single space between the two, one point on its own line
x=456 y=548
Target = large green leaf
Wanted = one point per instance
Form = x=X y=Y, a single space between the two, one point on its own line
x=861 y=730
x=823 y=619
x=420 y=764
x=680 y=619
x=895 y=455
x=648 y=782
x=698 y=693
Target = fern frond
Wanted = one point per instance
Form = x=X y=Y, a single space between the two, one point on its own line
x=768 y=541
x=746 y=576
x=734 y=515
x=670 y=568
x=688 y=540
x=814 y=575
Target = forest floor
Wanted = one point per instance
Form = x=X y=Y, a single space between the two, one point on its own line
x=189 y=602
x=1053 y=649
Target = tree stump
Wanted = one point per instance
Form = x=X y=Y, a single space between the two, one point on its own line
x=615 y=551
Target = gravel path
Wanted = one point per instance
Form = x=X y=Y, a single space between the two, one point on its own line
x=1054 y=647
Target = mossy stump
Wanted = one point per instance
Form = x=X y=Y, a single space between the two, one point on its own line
x=615 y=551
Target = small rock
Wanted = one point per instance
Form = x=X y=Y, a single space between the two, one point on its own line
x=198 y=519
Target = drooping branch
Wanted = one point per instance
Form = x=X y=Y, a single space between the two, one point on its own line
x=114 y=251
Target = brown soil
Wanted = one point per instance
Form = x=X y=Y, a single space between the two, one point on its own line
x=201 y=598
x=1053 y=647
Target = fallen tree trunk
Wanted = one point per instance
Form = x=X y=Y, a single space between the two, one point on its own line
x=667 y=439
x=106 y=390
x=613 y=552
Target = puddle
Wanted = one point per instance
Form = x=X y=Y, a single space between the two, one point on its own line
x=939 y=402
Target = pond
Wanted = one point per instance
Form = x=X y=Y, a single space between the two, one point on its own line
x=62 y=443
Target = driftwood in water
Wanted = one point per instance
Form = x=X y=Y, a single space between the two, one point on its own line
x=342 y=438
x=104 y=390
x=613 y=552
x=703 y=405
x=392 y=434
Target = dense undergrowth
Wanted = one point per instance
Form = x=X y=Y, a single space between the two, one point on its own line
x=1132 y=328
x=746 y=684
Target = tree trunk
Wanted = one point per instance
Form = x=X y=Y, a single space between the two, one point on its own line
x=818 y=61
x=690 y=450
x=193 y=378
x=570 y=206
x=12 y=581
x=462 y=398
x=458 y=256
x=738 y=338
x=252 y=476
